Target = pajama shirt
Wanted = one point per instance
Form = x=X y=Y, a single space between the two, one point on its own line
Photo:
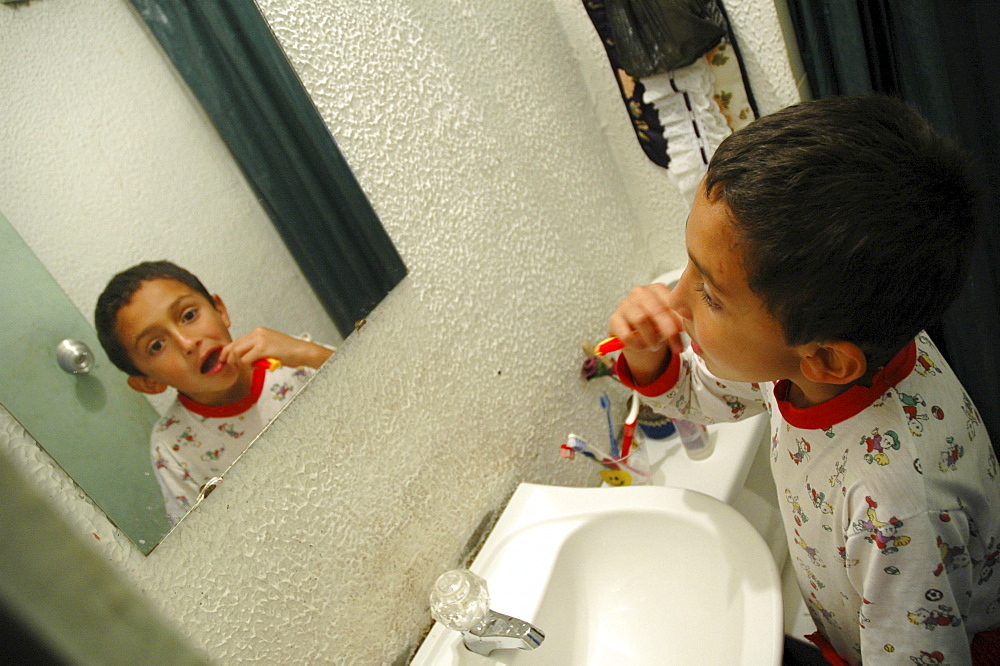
x=193 y=443
x=890 y=499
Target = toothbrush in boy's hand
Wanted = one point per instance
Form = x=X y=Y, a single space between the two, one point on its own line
x=612 y=344
x=267 y=363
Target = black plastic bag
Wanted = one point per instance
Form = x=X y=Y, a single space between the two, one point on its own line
x=656 y=36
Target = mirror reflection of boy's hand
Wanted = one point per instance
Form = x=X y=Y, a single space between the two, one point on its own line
x=263 y=343
x=649 y=330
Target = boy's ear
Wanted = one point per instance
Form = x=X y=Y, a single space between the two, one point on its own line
x=834 y=362
x=221 y=307
x=144 y=384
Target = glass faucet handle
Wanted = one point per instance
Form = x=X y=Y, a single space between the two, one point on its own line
x=460 y=600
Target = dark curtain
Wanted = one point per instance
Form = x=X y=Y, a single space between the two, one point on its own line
x=226 y=53
x=941 y=57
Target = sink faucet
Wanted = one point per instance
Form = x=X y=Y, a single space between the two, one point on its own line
x=460 y=601
x=499 y=632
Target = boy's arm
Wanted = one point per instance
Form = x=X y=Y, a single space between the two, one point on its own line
x=913 y=602
x=649 y=330
x=673 y=383
x=263 y=343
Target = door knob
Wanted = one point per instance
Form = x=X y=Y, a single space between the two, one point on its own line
x=74 y=357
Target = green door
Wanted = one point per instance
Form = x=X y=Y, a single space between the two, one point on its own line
x=93 y=425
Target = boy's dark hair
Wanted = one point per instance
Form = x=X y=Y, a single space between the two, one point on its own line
x=856 y=219
x=117 y=295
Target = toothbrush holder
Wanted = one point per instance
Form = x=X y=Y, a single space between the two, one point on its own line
x=628 y=470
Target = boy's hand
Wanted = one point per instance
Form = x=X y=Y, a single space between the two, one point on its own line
x=649 y=330
x=264 y=343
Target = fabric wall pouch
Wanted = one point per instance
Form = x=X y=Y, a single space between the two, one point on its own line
x=676 y=113
x=656 y=36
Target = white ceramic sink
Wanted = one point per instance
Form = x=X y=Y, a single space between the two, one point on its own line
x=632 y=575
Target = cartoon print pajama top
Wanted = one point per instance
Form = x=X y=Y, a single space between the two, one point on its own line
x=889 y=496
x=192 y=443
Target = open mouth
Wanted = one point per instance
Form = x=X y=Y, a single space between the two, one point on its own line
x=211 y=364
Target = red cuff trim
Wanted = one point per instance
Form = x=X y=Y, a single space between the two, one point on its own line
x=234 y=408
x=986 y=647
x=851 y=402
x=658 y=386
x=826 y=648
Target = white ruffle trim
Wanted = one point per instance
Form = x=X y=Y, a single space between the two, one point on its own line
x=693 y=133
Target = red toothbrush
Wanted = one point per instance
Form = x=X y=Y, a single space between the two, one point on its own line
x=629 y=430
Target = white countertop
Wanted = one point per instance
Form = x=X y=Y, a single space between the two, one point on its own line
x=722 y=473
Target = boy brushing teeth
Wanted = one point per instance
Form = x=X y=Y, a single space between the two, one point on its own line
x=159 y=324
x=822 y=242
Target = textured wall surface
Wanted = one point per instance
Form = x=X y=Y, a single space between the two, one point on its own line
x=108 y=161
x=765 y=56
x=493 y=144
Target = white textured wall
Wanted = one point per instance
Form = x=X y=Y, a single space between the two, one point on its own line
x=108 y=160
x=493 y=144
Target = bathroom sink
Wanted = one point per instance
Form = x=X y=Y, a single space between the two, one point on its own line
x=632 y=575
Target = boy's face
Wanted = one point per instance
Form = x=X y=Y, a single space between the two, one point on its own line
x=728 y=324
x=173 y=335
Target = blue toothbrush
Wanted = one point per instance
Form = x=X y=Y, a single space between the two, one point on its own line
x=606 y=405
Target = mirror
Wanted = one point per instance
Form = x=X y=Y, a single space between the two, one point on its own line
x=110 y=160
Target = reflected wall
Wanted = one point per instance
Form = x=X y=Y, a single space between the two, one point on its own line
x=108 y=161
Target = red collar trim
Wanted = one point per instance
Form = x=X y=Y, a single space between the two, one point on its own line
x=234 y=408
x=851 y=402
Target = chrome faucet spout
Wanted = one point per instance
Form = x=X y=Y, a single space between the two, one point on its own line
x=502 y=632
x=460 y=601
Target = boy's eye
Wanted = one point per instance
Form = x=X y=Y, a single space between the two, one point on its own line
x=189 y=314
x=155 y=346
x=706 y=297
